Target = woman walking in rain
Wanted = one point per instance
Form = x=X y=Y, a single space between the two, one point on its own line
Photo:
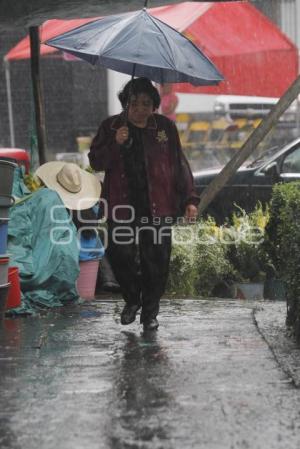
x=147 y=184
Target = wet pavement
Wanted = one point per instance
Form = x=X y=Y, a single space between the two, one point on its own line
x=209 y=378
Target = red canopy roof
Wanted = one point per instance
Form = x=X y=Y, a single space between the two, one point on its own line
x=48 y=29
x=254 y=56
x=251 y=52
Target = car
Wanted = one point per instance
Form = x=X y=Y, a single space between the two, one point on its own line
x=253 y=182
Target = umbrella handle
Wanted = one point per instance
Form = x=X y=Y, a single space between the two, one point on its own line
x=146 y=4
x=129 y=94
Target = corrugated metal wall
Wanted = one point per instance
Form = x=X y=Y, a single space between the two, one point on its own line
x=285 y=13
x=290 y=19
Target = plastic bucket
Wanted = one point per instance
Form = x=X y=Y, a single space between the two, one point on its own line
x=14 y=294
x=6 y=201
x=3 y=236
x=4 y=261
x=250 y=290
x=6 y=176
x=86 y=282
x=3 y=298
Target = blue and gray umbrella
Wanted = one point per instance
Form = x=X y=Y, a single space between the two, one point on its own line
x=138 y=44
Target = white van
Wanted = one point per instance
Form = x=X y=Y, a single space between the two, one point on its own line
x=233 y=106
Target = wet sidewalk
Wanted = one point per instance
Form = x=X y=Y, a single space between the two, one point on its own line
x=211 y=377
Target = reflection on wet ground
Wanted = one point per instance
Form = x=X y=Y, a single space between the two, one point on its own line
x=75 y=378
x=140 y=397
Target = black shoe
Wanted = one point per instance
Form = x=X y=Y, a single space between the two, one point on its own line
x=110 y=287
x=151 y=325
x=129 y=313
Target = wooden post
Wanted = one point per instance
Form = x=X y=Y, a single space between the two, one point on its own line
x=37 y=92
x=249 y=146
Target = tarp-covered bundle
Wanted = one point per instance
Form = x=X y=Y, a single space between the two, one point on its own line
x=42 y=243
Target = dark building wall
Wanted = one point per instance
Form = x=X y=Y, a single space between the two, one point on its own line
x=75 y=98
x=75 y=95
x=7 y=40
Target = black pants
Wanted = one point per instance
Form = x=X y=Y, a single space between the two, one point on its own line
x=140 y=257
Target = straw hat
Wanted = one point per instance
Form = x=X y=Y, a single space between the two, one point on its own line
x=77 y=188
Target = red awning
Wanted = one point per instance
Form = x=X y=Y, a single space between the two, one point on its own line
x=254 y=56
x=48 y=29
x=251 y=52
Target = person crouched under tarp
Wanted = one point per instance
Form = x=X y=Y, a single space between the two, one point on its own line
x=42 y=238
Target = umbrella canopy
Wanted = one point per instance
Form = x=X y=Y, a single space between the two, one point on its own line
x=140 y=44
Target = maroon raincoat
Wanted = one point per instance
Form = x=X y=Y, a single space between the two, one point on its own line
x=170 y=181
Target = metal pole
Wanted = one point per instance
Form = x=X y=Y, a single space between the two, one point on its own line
x=146 y=4
x=298 y=54
x=9 y=104
x=37 y=92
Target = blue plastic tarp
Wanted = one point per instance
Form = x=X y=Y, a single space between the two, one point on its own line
x=42 y=243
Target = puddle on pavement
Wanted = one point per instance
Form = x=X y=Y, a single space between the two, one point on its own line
x=90 y=313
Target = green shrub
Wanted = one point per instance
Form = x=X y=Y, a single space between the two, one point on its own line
x=213 y=266
x=183 y=270
x=283 y=245
x=205 y=255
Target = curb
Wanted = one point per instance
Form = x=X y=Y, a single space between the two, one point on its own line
x=269 y=319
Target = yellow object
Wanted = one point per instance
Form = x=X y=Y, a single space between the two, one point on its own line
x=196 y=134
x=32 y=182
x=216 y=132
x=83 y=143
x=182 y=123
x=237 y=133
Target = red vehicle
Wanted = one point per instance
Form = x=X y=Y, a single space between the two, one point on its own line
x=20 y=156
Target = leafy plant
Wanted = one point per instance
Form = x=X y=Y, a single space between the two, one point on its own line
x=205 y=255
x=211 y=258
x=198 y=260
x=183 y=270
x=247 y=253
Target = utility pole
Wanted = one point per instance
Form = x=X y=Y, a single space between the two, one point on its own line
x=37 y=92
